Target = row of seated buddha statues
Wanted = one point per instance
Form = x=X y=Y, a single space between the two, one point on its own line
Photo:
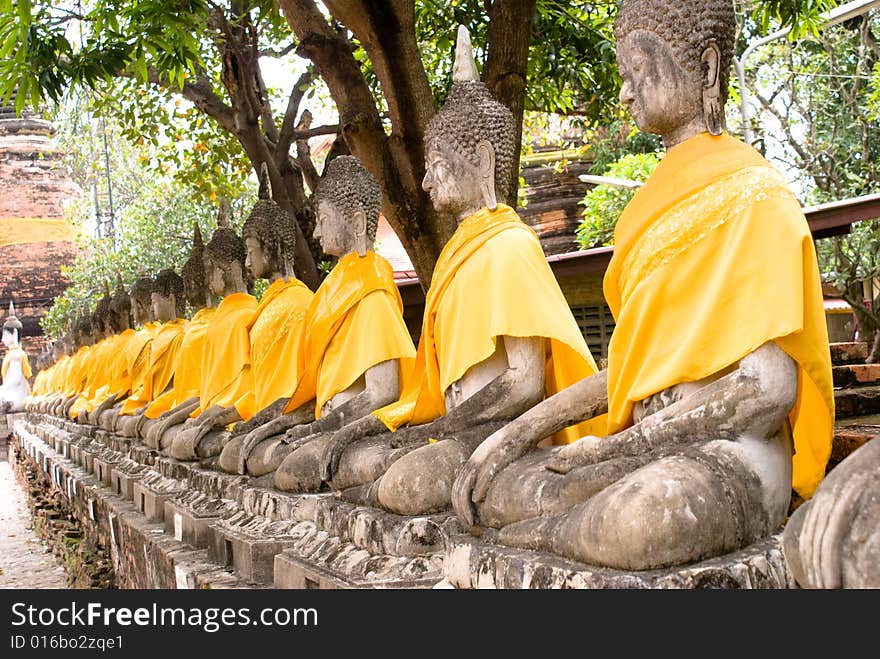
x=717 y=400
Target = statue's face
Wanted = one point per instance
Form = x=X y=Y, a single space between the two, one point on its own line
x=141 y=311
x=257 y=262
x=661 y=96
x=10 y=338
x=214 y=277
x=164 y=306
x=332 y=229
x=451 y=181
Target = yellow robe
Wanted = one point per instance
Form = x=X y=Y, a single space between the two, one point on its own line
x=274 y=333
x=354 y=322
x=226 y=360
x=55 y=383
x=164 y=349
x=77 y=372
x=137 y=357
x=100 y=358
x=188 y=366
x=492 y=279
x=16 y=353
x=713 y=258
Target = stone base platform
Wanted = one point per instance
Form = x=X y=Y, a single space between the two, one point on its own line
x=172 y=524
x=472 y=563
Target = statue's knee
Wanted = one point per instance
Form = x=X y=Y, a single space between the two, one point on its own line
x=421 y=481
x=668 y=513
x=267 y=457
x=229 y=456
x=300 y=470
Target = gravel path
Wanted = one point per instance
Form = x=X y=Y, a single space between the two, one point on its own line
x=25 y=560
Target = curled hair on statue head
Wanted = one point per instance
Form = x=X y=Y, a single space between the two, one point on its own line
x=348 y=185
x=225 y=248
x=168 y=282
x=273 y=227
x=688 y=27
x=471 y=115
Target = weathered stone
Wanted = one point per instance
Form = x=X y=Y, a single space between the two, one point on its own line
x=857 y=402
x=854 y=375
x=849 y=353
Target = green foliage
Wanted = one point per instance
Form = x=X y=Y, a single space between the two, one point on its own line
x=604 y=203
x=610 y=143
x=155 y=211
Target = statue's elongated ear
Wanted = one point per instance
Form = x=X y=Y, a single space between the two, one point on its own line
x=713 y=110
x=359 y=225
x=486 y=154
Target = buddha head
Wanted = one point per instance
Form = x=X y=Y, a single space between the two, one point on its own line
x=469 y=143
x=224 y=258
x=193 y=274
x=85 y=330
x=12 y=329
x=168 y=298
x=102 y=313
x=120 y=308
x=141 y=295
x=269 y=236
x=674 y=59
x=347 y=201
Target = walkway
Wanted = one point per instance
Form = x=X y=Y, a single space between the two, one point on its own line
x=25 y=560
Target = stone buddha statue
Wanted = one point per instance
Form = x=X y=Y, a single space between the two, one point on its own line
x=168 y=306
x=134 y=350
x=116 y=376
x=15 y=372
x=174 y=406
x=100 y=358
x=225 y=376
x=497 y=334
x=273 y=330
x=85 y=334
x=717 y=399
x=833 y=540
x=353 y=349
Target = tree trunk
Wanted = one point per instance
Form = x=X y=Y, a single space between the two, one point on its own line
x=510 y=35
x=386 y=30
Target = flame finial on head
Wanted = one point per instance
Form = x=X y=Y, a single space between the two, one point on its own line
x=465 y=67
x=223 y=219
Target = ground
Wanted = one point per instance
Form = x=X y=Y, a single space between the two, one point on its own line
x=25 y=560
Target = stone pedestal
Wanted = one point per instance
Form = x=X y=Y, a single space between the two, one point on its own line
x=471 y=563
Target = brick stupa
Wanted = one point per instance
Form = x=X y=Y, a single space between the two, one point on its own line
x=35 y=242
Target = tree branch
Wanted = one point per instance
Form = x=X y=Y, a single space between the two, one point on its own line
x=288 y=124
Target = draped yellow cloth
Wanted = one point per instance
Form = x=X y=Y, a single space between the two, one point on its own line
x=713 y=258
x=101 y=356
x=77 y=372
x=226 y=359
x=16 y=353
x=55 y=383
x=139 y=360
x=164 y=349
x=355 y=321
x=188 y=366
x=39 y=388
x=17 y=230
x=492 y=279
x=274 y=332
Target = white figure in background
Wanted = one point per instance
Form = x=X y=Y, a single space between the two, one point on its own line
x=16 y=369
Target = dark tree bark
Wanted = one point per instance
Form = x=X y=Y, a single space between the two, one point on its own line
x=386 y=30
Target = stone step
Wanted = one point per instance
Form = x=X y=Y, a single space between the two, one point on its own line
x=860 y=401
x=856 y=375
x=852 y=434
x=849 y=353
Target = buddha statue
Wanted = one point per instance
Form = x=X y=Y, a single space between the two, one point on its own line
x=353 y=350
x=133 y=350
x=174 y=406
x=717 y=399
x=85 y=335
x=99 y=357
x=833 y=540
x=15 y=372
x=273 y=330
x=497 y=333
x=225 y=377
x=168 y=302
